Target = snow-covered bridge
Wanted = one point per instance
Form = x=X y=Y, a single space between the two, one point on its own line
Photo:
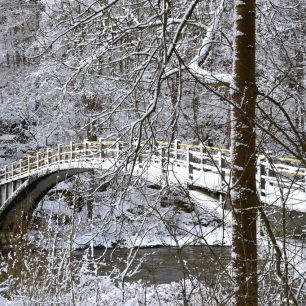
x=24 y=182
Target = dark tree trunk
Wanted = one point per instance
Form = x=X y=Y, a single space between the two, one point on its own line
x=243 y=137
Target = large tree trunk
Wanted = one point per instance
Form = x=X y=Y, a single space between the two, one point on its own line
x=243 y=136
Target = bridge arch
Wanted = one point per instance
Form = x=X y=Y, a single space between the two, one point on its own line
x=17 y=210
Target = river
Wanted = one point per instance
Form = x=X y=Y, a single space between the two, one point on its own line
x=164 y=264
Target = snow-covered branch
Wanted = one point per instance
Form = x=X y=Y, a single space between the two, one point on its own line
x=200 y=58
x=195 y=65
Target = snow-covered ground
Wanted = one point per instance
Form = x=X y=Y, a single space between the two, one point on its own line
x=104 y=291
x=135 y=217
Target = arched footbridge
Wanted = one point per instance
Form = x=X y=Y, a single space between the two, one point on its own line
x=24 y=183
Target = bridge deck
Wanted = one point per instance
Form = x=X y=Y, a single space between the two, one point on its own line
x=280 y=182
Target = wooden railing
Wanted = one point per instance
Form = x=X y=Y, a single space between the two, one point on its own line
x=285 y=172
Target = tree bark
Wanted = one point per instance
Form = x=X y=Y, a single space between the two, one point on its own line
x=243 y=157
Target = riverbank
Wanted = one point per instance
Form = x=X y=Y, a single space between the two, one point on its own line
x=104 y=291
x=138 y=217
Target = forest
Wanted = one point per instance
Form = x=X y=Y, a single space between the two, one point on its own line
x=152 y=152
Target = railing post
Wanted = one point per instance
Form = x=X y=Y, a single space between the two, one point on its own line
x=262 y=174
x=138 y=154
x=49 y=156
x=269 y=172
x=139 y=160
x=85 y=145
x=59 y=149
x=20 y=166
x=221 y=164
x=72 y=154
x=202 y=152
x=89 y=149
x=177 y=146
x=37 y=160
x=163 y=159
x=189 y=164
x=12 y=170
x=29 y=163
x=118 y=148
x=101 y=149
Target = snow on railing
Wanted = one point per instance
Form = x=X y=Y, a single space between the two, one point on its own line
x=194 y=158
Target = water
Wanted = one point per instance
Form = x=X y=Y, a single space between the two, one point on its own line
x=36 y=273
x=165 y=264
